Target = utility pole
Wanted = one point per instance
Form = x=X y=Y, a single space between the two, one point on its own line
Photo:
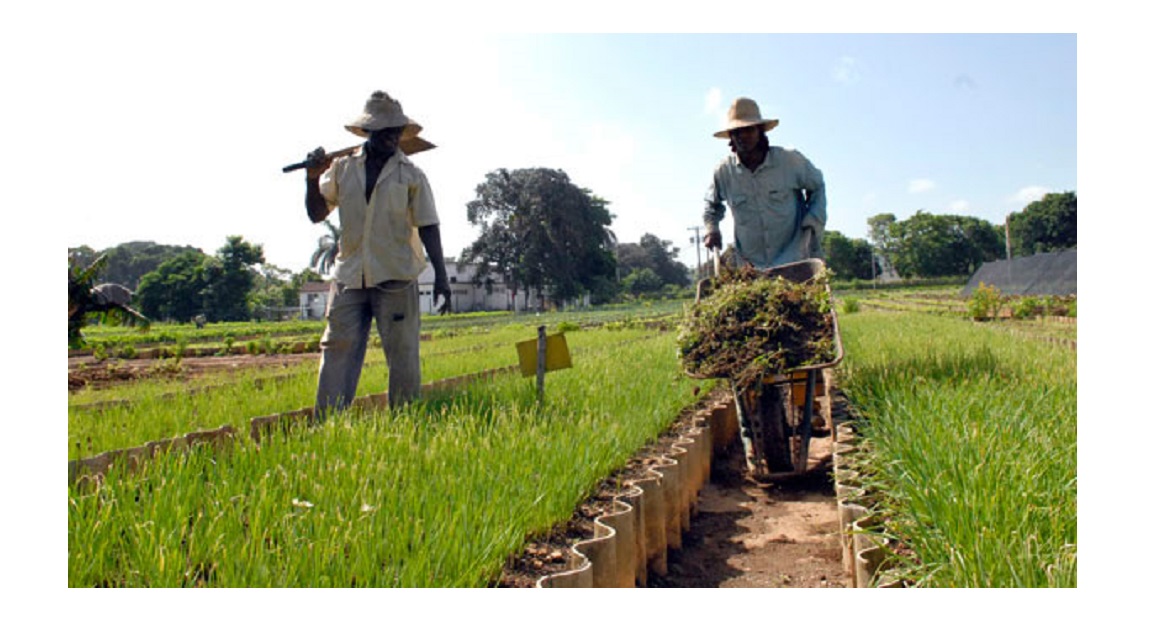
x=1008 y=247
x=1008 y=235
x=696 y=240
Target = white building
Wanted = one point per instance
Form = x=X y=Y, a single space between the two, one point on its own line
x=313 y=299
x=468 y=293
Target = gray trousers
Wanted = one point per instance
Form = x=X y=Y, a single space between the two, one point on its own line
x=396 y=308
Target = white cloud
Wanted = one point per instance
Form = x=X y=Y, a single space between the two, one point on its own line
x=960 y=206
x=1029 y=194
x=713 y=101
x=921 y=185
x=715 y=106
x=846 y=70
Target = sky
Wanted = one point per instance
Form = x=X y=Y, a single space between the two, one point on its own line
x=196 y=116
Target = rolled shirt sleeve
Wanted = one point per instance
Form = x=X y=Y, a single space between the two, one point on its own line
x=811 y=179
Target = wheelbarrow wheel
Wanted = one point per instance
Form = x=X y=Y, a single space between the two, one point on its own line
x=765 y=425
x=777 y=442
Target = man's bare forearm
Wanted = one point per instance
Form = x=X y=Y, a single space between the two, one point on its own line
x=314 y=201
x=430 y=237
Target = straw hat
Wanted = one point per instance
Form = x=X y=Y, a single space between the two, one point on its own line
x=745 y=112
x=381 y=111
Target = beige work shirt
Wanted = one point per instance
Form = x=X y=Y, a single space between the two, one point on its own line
x=379 y=240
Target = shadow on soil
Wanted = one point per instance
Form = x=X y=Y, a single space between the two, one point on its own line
x=703 y=559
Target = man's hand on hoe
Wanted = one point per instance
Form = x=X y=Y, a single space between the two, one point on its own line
x=317 y=162
x=713 y=240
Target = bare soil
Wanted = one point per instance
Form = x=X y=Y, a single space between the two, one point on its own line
x=87 y=372
x=743 y=534
x=750 y=534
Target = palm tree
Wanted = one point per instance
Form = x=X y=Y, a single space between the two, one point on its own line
x=108 y=301
x=329 y=245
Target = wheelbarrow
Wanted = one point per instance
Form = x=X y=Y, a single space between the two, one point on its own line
x=776 y=411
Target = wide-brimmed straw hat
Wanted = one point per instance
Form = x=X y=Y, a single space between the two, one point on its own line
x=382 y=111
x=745 y=112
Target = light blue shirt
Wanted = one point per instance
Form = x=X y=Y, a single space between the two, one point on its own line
x=770 y=206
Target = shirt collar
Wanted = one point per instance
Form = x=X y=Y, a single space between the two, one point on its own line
x=769 y=161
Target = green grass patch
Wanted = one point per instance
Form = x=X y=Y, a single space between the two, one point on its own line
x=972 y=439
x=437 y=494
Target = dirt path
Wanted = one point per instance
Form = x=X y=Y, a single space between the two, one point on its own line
x=747 y=534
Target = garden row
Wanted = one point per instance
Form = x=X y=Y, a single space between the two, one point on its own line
x=961 y=459
x=176 y=340
x=156 y=410
x=439 y=493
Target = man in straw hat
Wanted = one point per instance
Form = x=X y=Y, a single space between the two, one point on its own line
x=778 y=213
x=387 y=220
x=776 y=194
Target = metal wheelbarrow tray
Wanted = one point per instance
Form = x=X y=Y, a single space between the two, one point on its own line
x=776 y=412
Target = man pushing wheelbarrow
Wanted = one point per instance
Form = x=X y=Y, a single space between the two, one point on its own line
x=780 y=331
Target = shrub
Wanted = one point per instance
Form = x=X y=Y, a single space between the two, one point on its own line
x=850 y=305
x=1024 y=307
x=181 y=347
x=985 y=302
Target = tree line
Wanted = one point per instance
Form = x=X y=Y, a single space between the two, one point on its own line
x=541 y=232
x=927 y=245
x=180 y=283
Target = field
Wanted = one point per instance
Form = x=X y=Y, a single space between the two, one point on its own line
x=957 y=416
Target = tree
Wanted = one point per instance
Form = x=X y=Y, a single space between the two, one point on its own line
x=175 y=290
x=128 y=262
x=879 y=232
x=541 y=232
x=927 y=245
x=1047 y=225
x=324 y=258
x=655 y=254
x=271 y=291
x=641 y=281
x=847 y=257
x=231 y=278
x=193 y=283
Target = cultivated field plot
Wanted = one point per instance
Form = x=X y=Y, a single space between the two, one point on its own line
x=970 y=448
x=438 y=494
x=968 y=451
x=1041 y=317
x=172 y=396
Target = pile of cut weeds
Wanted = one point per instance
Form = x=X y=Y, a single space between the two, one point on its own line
x=753 y=325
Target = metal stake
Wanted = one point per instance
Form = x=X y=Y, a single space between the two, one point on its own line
x=541 y=351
